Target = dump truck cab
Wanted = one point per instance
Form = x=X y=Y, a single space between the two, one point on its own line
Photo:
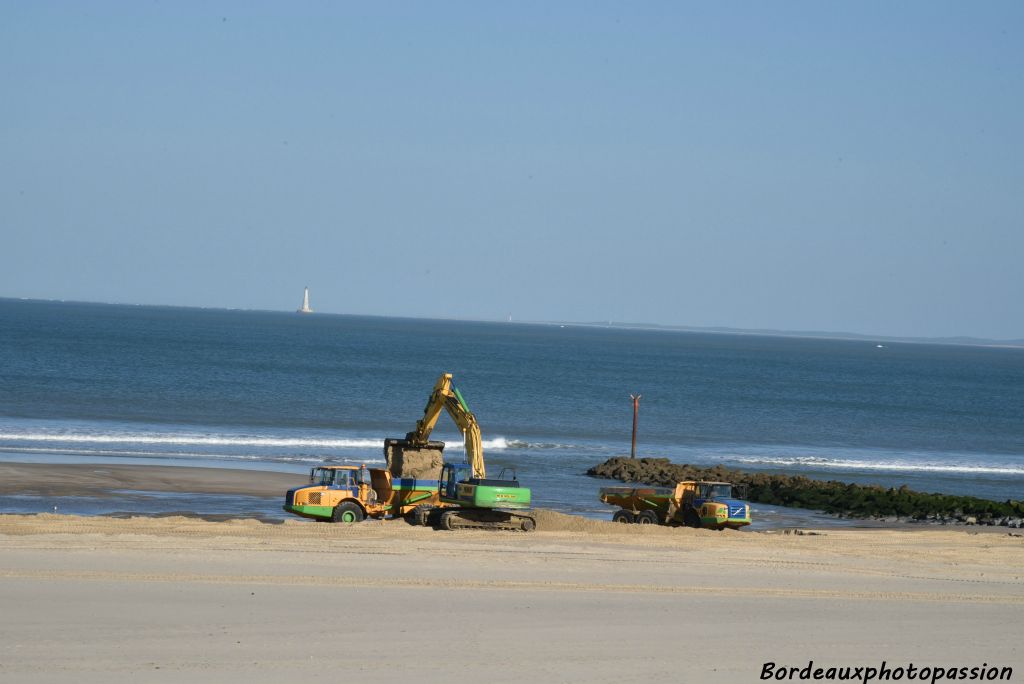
x=343 y=477
x=710 y=504
x=339 y=493
x=351 y=480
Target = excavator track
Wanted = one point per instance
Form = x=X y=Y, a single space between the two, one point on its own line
x=485 y=519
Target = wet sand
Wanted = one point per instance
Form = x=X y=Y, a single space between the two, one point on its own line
x=93 y=599
x=76 y=479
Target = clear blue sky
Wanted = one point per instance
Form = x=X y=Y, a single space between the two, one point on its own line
x=851 y=166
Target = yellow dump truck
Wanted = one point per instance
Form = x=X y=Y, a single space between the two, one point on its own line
x=692 y=503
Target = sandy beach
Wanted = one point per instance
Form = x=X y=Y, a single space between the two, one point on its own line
x=176 y=599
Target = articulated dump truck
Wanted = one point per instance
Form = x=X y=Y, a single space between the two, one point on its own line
x=691 y=503
x=351 y=493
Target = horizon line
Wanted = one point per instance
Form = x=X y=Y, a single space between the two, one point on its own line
x=950 y=340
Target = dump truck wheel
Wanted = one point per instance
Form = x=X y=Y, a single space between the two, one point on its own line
x=347 y=512
x=420 y=515
x=647 y=518
x=622 y=516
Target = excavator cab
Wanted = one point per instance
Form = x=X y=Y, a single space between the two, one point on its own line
x=451 y=475
x=458 y=486
x=454 y=474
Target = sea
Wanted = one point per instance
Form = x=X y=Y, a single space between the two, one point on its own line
x=109 y=384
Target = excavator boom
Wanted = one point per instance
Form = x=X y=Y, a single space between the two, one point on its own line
x=448 y=398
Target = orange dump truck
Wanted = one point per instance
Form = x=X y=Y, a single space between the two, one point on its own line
x=351 y=493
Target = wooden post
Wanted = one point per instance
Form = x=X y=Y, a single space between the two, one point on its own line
x=636 y=411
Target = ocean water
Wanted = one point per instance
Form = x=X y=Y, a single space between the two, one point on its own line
x=136 y=384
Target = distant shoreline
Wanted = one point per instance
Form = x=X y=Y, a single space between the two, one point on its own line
x=956 y=341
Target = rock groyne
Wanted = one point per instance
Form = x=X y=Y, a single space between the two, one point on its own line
x=839 y=498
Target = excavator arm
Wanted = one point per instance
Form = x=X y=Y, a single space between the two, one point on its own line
x=445 y=396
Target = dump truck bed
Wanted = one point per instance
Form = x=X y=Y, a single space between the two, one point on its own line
x=637 y=498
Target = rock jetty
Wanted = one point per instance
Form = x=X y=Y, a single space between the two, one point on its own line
x=839 y=498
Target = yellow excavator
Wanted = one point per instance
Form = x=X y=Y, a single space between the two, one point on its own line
x=467 y=497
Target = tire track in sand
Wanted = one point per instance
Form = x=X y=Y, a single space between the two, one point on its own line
x=504 y=585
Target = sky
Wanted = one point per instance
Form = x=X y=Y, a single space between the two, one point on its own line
x=837 y=166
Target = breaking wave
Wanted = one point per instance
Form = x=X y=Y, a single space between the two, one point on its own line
x=889 y=466
x=184 y=439
x=519 y=444
x=12 y=439
x=193 y=455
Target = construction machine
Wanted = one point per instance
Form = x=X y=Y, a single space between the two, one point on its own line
x=348 y=494
x=693 y=503
x=466 y=497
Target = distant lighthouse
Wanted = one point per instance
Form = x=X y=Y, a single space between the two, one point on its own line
x=305 y=302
